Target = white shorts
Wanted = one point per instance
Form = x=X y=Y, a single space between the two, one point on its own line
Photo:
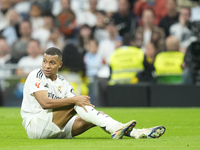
x=42 y=127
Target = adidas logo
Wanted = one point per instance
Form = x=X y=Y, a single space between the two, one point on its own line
x=46 y=85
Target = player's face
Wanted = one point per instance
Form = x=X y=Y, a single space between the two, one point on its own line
x=50 y=66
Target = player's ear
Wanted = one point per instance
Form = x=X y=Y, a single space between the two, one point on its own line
x=61 y=63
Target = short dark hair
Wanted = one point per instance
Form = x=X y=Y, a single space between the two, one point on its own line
x=128 y=38
x=54 y=51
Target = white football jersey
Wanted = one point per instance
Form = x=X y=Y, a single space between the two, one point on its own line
x=37 y=81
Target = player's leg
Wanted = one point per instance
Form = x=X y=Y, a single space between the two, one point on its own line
x=62 y=115
x=154 y=132
x=79 y=126
x=104 y=121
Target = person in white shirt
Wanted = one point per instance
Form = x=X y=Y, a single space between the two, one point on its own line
x=4 y=59
x=36 y=16
x=181 y=31
x=109 y=7
x=5 y=5
x=99 y=31
x=88 y=16
x=28 y=63
x=4 y=52
x=195 y=11
x=42 y=34
x=11 y=32
x=49 y=106
x=93 y=62
x=106 y=48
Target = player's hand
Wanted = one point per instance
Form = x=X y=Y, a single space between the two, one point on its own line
x=82 y=101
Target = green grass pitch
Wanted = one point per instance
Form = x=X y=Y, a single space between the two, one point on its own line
x=182 y=124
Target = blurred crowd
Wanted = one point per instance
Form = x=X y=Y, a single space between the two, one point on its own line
x=93 y=34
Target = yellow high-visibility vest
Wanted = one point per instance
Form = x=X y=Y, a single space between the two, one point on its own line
x=125 y=63
x=169 y=63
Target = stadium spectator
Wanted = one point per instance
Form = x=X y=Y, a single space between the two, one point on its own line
x=35 y=15
x=4 y=7
x=171 y=17
x=149 y=57
x=110 y=7
x=4 y=51
x=99 y=32
x=73 y=59
x=4 y=58
x=158 y=6
x=11 y=31
x=18 y=48
x=76 y=5
x=172 y=44
x=28 y=63
x=45 y=5
x=168 y=64
x=150 y=53
x=124 y=19
x=79 y=5
x=56 y=39
x=73 y=54
x=43 y=33
x=181 y=31
x=22 y=7
x=88 y=17
x=84 y=35
x=93 y=62
x=106 y=48
x=195 y=11
x=149 y=32
x=4 y=71
x=14 y=20
x=56 y=7
x=126 y=62
x=66 y=20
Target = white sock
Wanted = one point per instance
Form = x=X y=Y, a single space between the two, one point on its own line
x=97 y=118
x=134 y=132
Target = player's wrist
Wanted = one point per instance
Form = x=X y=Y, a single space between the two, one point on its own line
x=74 y=100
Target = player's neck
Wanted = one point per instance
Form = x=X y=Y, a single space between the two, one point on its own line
x=53 y=78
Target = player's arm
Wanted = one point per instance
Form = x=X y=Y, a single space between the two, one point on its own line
x=47 y=103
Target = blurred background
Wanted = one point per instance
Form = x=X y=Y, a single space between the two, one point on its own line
x=119 y=52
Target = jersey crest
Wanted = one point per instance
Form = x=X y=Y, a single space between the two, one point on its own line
x=59 y=89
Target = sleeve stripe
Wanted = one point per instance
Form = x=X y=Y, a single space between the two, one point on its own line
x=39 y=74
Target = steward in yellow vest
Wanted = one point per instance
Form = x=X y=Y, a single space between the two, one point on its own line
x=125 y=63
x=169 y=63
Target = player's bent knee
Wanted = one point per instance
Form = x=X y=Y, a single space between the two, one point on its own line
x=103 y=113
